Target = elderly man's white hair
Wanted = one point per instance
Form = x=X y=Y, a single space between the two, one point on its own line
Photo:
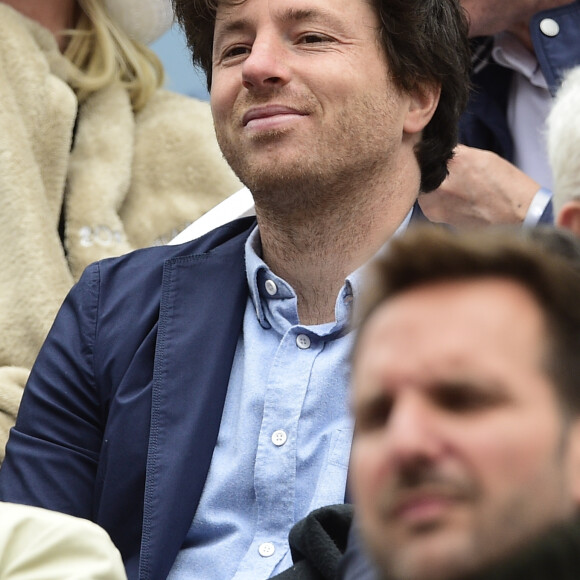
x=564 y=141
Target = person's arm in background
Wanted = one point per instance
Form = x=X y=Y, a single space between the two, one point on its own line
x=482 y=189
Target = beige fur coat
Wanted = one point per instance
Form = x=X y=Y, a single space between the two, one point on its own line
x=129 y=181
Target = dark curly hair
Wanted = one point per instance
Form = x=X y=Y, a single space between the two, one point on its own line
x=425 y=42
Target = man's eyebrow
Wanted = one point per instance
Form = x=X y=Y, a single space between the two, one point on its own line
x=313 y=15
x=298 y=14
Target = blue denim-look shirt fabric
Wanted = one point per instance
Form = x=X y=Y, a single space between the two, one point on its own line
x=285 y=434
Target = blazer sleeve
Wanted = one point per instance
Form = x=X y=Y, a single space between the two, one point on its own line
x=52 y=453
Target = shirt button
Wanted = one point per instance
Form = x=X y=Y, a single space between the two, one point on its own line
x=266 y=549
x=549 y=27
x=302 y=341
x=279 y=437
x=271 y=287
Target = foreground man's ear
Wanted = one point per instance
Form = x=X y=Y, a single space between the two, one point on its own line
x=569 y=216
x=423 y=103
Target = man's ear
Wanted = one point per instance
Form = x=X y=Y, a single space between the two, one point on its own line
x=422 y=105
x=569 y=216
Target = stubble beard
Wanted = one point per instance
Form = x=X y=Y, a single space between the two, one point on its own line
x=487 y=536
x=428 y=551
x=311 y=174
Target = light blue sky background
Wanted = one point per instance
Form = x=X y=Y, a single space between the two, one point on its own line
x=181 y=76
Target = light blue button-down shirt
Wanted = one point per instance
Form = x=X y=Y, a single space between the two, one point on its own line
x=529 y=102
x=285 y=435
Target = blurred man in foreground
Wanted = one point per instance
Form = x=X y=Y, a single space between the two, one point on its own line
x=467 y=443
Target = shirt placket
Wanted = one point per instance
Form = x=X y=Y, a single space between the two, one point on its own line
x=275 y=466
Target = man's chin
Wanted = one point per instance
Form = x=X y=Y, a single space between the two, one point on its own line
x=279 y=180
x=434 y=552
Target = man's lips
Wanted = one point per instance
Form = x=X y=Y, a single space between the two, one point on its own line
x=269 y=112
x=422 y=508
x=424 y=505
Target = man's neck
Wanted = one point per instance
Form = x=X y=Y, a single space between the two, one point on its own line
x=55 y=15
x=315 y=250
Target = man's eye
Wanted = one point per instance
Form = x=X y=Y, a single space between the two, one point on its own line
x=236 y=51
x=312 y=38
x=374 y=415
x=461 y=398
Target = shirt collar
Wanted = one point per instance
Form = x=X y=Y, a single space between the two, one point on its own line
x=258 y=273
x=510 y=53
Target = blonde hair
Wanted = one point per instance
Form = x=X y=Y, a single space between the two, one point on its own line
x=101 y=54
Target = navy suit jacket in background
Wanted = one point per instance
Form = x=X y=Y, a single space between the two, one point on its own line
x=484 y=124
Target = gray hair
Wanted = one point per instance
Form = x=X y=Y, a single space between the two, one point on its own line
x=563 y=125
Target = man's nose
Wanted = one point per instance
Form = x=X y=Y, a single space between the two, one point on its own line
x=413 y=432
x=267 y=64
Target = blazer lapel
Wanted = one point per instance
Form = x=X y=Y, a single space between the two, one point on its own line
x=202 y=306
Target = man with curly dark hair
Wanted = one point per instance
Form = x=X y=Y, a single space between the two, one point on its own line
x=220 y=367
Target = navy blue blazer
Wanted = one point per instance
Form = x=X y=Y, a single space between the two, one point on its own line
x=122 y=410
x=484 y=124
